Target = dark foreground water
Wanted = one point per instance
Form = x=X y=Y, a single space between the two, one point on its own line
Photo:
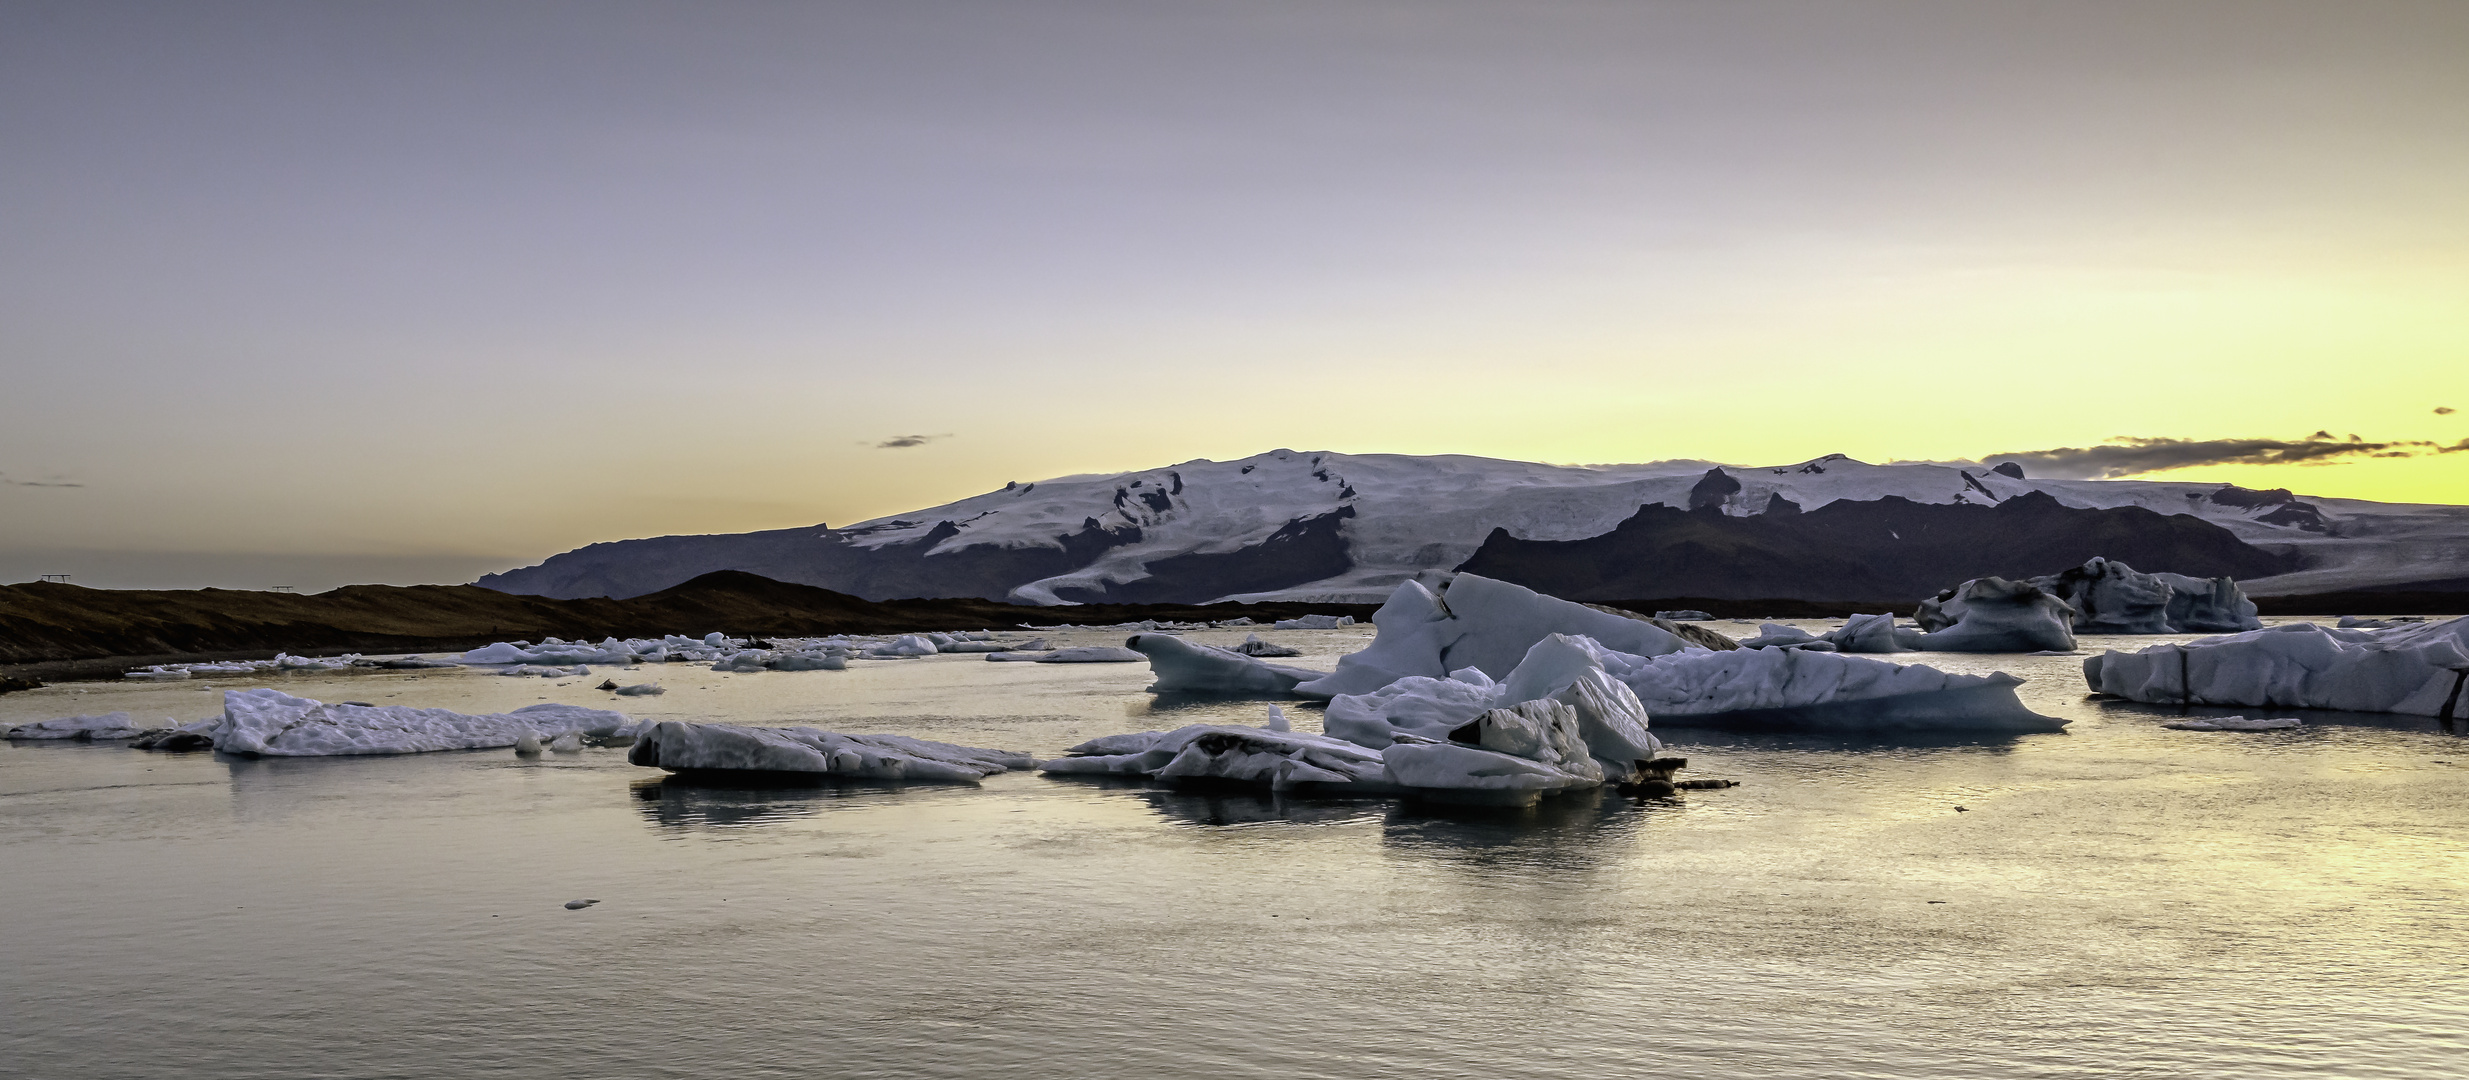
x=2120 y=900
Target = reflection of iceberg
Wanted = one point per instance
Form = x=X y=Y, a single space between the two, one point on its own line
x=2420 y=670
x=814 y=754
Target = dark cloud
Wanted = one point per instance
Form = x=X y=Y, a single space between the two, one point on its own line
x=2445 y=410
x=2132 y=456
x=903 y=442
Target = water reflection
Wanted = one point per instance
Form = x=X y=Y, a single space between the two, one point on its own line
x=1219 y=807
x=670 y=803
x=2135 y=711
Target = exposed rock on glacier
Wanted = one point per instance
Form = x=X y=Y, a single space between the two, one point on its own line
x=271 y=723
x=1996 y=615
x=2109 y=597
x=1184 y=667
x=2419 y=670
x=115 y=725
x=1475 y=622
x=813 y=754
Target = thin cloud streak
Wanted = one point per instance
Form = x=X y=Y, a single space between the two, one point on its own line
x=2128 y=455
x=4 y=479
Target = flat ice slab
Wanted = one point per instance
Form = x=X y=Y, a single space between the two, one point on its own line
x=814 y=753
x=271 y=723
x=116 y=725
x=1184 y=667
x=2417 y=669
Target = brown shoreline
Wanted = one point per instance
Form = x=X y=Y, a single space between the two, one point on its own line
x=61 y=632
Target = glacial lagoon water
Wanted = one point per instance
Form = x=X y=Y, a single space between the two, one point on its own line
x=2118 y=900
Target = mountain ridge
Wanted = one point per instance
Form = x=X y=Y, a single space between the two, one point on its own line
x=1322 y=526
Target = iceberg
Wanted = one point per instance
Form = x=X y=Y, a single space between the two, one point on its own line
x=114 y=725
x=1475 y=622
x=1184 y=667
x=1768 y=689
x=270 y=723
x=2419 y=670
x=1313 y=622
x=1778 y=636
x=1254 y=645
x=813 y=754
x=1084 y=654
x=1582 y=729
x=1283 y=760
x=1873 y=634
x=1993 y=614
x=2109 y=597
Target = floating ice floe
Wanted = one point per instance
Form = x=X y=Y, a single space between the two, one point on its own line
x=2419 y=670
x=1184 y=667
x=1581 y=729
x=1779 y=636
x=1782 y=689
x=638 y=690
x=1993 y=614
x=271 y=723
x=1474 y=622
x=2105 y=596
x=115 y=725
x=1313 y=622
x=1255 y=645
x=1078 y=654
x=2234 y=723
x=812 y=753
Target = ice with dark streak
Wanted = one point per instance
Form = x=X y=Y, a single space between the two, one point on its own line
x=2420 y=670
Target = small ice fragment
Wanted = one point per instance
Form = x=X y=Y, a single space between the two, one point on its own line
x=578 y=905
x=528 y=745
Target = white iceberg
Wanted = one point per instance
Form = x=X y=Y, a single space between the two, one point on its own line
x=1873 y=634
x=1475 y=622
x=271 y=723
x=2419 y=670
x=113 y=725
x=1778 y=636
x=1795 y=689
x=1084 y=654
x=1996 y=615
x=813 y=753
x=1312 y=622
x=2105 y=596
x=1184 y=667
x=1283 y=760
x=1255 y=645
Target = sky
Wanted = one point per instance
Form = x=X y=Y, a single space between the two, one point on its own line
x=321 y=292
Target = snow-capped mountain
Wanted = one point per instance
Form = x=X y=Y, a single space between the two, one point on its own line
x=1289 y=525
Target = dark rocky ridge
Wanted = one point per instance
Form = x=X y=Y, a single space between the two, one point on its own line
x=57 y=626
x=1886 y=550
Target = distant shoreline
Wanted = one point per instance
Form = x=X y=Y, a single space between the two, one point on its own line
x=56 y=632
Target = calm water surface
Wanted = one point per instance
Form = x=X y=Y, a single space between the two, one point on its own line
x=2119 y=900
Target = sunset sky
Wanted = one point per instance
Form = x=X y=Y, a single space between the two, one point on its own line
x=310 y=293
